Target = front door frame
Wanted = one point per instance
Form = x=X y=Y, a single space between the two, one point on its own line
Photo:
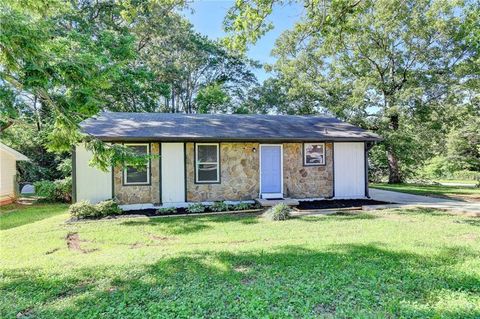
x=271 y=195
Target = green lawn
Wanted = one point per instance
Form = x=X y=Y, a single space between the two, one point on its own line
x=453 y=192
x=457 y=181
x=15 y=215
x=388 y=264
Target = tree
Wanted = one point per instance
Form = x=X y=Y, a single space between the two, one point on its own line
x=212 y=99
x=383 y=64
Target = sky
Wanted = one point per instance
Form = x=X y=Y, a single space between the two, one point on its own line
x=207 y=18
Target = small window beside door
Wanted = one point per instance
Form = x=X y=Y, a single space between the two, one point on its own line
x=207 y=163
x=313 y=154
x=137 y=176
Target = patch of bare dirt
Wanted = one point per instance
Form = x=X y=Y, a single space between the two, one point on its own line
x=25 y=313
x=323 y=309
x=241 y=269
x=160 y=238
x=247 y=281
x=469 y=236
x=73 y=243
x=52 y=251
x=137 y=245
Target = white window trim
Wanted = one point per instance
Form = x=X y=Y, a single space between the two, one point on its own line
x=148 y=166
x=305 y=155
x=197 y=163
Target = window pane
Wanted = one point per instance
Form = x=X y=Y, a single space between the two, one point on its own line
x=139 y=149
x=207 y=153
x=137 y=176
x=314 y=154
x=207 y=172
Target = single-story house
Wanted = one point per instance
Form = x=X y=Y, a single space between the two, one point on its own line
x=210 y=157
x=8 y=173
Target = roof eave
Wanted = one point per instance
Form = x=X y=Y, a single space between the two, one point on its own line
x=235 y=139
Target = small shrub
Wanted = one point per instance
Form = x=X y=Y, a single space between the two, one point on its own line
x=108 y=208
x=257 y=205
x=46 y=189
x=242 y=206
x=57 y=191
x=166 y=210
x=196 y=208
x=278 y=212
x=63 y=189
x=219 y=206
x=83 y=209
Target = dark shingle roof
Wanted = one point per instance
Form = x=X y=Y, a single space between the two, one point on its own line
x=111 y=126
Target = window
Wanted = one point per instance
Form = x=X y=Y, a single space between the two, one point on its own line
x=134 y=176
x=207 y=163
x=313 y=154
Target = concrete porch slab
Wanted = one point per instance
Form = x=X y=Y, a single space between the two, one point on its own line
x=273 y=202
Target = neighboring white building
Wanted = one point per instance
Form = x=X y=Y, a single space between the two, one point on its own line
x=8 y=170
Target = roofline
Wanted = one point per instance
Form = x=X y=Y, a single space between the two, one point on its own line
x=18 y=156
x=233 y=139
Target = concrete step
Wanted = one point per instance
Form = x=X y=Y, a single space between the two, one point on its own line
x=273 y=202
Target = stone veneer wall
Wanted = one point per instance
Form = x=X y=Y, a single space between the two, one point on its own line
x=137 y=194
x=306 y=181
x=239 y=174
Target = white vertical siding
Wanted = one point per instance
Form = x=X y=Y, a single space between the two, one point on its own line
x=8 y=170
x=92 y=184
x=173 y=173
x=349 y=170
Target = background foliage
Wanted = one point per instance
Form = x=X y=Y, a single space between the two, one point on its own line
x=408 y=70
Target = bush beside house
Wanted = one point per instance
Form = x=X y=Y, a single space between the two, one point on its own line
x=55 y=191
x=84 y=209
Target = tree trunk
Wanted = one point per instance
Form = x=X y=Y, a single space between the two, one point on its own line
x=394 y=176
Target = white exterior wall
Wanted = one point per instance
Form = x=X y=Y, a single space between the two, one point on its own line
x=8 y=170
x=173 y=173
x=349 y=170
x=92 y=184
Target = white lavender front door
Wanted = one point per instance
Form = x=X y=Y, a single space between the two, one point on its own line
x=271 y=171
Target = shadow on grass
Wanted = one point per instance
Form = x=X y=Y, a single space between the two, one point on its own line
x=471 y=222
x=422 y=211
x=191 y=224
x=26 y=214
x=344 y=281
x=339 y=216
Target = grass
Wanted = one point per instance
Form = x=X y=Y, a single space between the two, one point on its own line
x=457 y=181
x=415 y=263
x=453 y=192
x=15 y=215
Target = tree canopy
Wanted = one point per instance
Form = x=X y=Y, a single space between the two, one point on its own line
x=64 y=61
x=406 y=69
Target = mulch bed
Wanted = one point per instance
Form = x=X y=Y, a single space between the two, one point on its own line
x=338 y=203
x=151 y=212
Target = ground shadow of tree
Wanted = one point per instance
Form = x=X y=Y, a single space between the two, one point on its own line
x=342 y=281
x=191 y=224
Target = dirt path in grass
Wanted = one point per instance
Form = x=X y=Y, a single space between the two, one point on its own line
x=73 y=243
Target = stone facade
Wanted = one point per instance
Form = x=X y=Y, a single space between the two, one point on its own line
x=306 y=181
x=138 y=194
x=239 y=174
